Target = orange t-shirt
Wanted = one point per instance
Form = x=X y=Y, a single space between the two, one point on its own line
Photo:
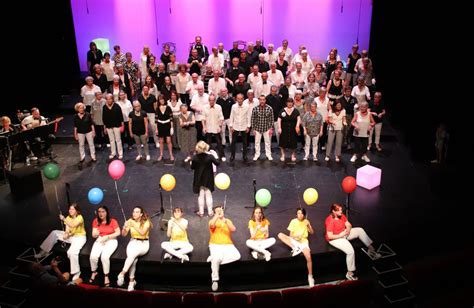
x=220 y=234
x=259 y=234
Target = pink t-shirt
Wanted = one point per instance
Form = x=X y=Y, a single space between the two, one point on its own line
x=105 y=229
x=335 y=226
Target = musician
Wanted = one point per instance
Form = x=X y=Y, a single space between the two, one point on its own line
x=5 y=150
x=7 y=126
x=32 y=121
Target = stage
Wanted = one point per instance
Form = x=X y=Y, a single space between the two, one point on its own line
x=381 y=211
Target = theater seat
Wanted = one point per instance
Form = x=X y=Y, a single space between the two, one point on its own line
x=198 y=299
x=167 y=299
x=265 y=298
x=232 y=299
x=300 y=296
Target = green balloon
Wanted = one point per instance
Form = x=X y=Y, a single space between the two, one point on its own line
x=51 y=171
x=263 y=197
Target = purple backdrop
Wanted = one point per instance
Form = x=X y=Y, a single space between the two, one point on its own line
x=319 y=24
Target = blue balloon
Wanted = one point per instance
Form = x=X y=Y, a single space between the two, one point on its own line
x=95 y=195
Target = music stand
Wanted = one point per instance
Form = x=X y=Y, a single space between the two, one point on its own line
x=162 y=209
x=254 y=182
x=5 y=146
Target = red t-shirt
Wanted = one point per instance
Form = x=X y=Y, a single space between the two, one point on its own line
x=105 y=229
x=335 y=226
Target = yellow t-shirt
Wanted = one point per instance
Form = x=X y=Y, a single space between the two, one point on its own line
x=259 y=234
x=79 y=229
x=220 y=234
x=136 y=235
x=299 y=228
x=178 y=234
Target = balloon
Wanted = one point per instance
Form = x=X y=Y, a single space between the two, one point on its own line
x=116 y=169
x=51 y=171
x=310 y=196
x=95 y=195
x=349 y=184
x=263 y=197
x=222 y=181
x=167 y=182
x=122 y=129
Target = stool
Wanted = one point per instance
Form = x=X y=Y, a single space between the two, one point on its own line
x=25 y=181
x=368 y=177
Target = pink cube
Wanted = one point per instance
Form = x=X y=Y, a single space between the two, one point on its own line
x=368 y=177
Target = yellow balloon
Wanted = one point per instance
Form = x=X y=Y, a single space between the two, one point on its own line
x=222 y=181
x=168 y=182
x=310 y=196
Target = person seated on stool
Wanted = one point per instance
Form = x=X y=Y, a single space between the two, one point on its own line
x=75 y=234
x=299 y=229
x=339 y=232
x=221 y=247
x=259 y=240
x=32 y=121
x=139 y=226
x=178 y=245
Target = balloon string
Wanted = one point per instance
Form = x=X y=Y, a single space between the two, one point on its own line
x=57 y=203
x=225 y=200
x=120 y=202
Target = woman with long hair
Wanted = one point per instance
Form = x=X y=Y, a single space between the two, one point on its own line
x=139 y=226
x=259 y=240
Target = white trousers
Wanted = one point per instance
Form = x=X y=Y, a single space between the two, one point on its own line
x=90 y=140
x=268 y=143
x=261 y=245
x=307 y=142
x=77 y=242
x=104 y=251
x=177 y=248
x=221 y=254
x=378 y=130
x=275 y=130
x=114 y=137
x=205 y=196
x=223 y=126
x=135 y=248
x=152 y=125
x=346 y=246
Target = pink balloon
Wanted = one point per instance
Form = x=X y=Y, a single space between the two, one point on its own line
x=116 y=169
x=122 y=129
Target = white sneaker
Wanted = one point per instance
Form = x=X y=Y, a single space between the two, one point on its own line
x=223 y=159
x=157 y=145
x=254 y=255
x=111 y=156
x=108 y=145
x=120 y=157
x=353 y=158
x=305 y=158
x=148 y=157
x=41 y=254
x=167 y=256
x=187 y=159
x=215 y=286
x=76 y=276
x=326 y=158
x=282 y=158
x=366 y=159
x=32 y=157
x=368 y=147
x=315 y=158
x=269 y=158
x=184 y=258
x=131 y=285
x=268 y=256
x=351 y=277
x=255 y=158
x=138 y=157
x=120 y=280
x=323 y=148
x=310 y=281
x=337 y=159
x=295 y=251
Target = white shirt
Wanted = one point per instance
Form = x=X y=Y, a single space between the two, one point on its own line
x=126 y=107
x=298 y=79
x=291 y=91
x=176 y=109
x=29 y=121
x=288 y=53
x=240 y=117
x=108 y=69
x=143 y=66
x=214 y=87
x=213 y=118
x=322 y=107
x=225 y=54
x=276 y=78
x=193 y=87
x=361 y=95
x=216 y=62
x=271 y=57
x=198 y=103
x=337 y=119
x=181 y=82
x=88 y=94
x=253 y=79
x=299 y=58
x=263 y=88
x=307 y=66
x=251 y=104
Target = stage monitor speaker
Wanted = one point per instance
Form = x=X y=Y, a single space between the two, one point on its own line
x=164 y=219
x=25 y=181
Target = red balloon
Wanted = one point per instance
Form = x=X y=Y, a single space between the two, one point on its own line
x=122 y=129
x=349 y=184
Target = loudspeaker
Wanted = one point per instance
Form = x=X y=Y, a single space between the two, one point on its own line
x=25 y=181
x=164 y=219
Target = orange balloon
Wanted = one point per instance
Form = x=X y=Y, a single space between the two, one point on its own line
x=349 y=184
